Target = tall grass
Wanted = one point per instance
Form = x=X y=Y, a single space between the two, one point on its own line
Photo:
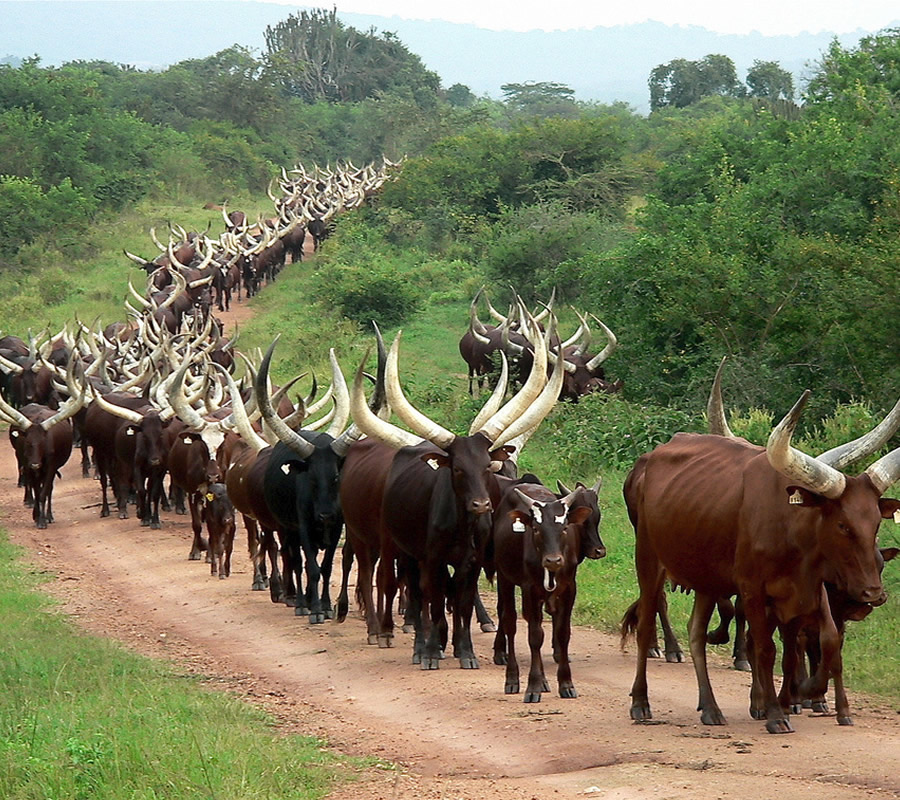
x=81 y=718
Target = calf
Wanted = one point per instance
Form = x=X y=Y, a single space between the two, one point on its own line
x=218 y=513
x=538 y=540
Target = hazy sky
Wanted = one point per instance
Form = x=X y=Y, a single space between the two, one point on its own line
x=725 y=16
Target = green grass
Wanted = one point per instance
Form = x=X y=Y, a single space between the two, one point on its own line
x=82 y=718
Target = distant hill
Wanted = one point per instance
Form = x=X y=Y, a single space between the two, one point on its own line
x=606 y=64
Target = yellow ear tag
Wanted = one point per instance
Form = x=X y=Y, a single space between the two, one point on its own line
x=210 y=496
x=897 y=516
x=796 y=499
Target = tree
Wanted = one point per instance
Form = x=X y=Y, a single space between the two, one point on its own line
x=681 y=82
x=768 y=79
x=314 y=56
x=460 y=95
x=544 y=98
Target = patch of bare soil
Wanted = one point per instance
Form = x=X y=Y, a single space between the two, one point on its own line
x=448 y=733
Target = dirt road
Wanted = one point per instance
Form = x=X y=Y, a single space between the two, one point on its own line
x=448 y=733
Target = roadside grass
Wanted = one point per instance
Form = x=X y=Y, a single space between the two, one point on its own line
x=82 y=718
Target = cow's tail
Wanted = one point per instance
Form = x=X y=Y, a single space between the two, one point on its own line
x=629 y=623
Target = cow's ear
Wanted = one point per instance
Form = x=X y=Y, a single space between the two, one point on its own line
x=502 y=453
x=798 y=496
x=436 y=460
x=890 y=508
x=890 y=553
x=579 y=514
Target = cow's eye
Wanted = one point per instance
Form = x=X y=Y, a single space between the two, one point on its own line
x=845 y=529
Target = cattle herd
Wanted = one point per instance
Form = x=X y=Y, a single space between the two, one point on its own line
x=780 y=539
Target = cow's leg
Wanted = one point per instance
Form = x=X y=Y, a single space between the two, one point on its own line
x=464 y=587
x=481 y=614
x=831 y=640
x=229 y=547
x=650 y=578
x=433 y=582
x=789 y=695
x=386 y=591
x=761 y=628
x=343 y=600
x=561 y=613
x=719 y=634
x=704 y=605
x=156 y=494
x=198 y=544
x=740 y=653
x=276 y=574
x=506 y=636
x=674 y=654
x=533 y=611
x=256 y=553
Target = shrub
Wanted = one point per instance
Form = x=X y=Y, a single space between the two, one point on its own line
x=380 y=293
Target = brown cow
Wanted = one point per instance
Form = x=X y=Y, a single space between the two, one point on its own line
x=721 y=516
x=218 y=514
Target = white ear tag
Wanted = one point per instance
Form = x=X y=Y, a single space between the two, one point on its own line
x=796 y=499
x=518 y=526
x=15 y=434
x=285 y=468
x=129 y=432
x=897 y=517
x=432 y=462
x=187 y=440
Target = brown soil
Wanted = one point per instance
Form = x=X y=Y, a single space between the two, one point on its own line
x=448 y=733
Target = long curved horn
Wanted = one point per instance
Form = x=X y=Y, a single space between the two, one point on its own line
x=141 y=262
x=529 y=392
x=715 y=410
x=411 y=416
x=842 y=455
x=293 y=440
x=341 y=398
x=140 y=298
x=69 y=409
x=239 y=413
x=529 y=420
x=15 y=416
x=798 y=466
x=372 y=425
x=178 y=401
x=119 y=411
x=156 y=241
x=607 y=351
x=492 y=406
x=885 y=472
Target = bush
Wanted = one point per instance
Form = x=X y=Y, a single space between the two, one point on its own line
x=380 y=293
x=54 y=287
x=609 y=431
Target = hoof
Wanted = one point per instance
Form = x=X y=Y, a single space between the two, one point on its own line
x=654 y=652
x=845 y=720
x=500 y=659
x=222 y=576
x=511 y=688
x=779 y=726
x=567 y=692
x=258 y=586
x=104 y=512
x=470 y=662
x=316 y=617
x=488 y=627
x=742 y=665
x=674 y=657
x=194 y=556
x=712 y=717
x=372 y=638
x=385 y=641
x=796 y=708
x=532 y=697
x=409 y=628
x=640 y=712
x=145 y=523
x=155 y=526
x=301 y=611
x=431 y=663
x=819 y=707
x=757 y=713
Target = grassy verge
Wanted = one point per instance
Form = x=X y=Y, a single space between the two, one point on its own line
x=82 y=718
